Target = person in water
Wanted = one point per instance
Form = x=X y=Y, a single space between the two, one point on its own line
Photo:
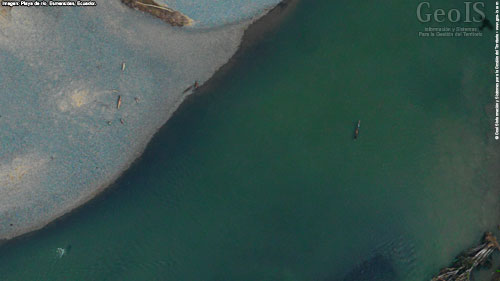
x=356 y=132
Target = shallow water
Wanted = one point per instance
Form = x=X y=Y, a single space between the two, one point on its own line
x=258 y=178
x=217 y=13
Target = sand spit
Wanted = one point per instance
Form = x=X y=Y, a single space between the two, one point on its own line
x=62 y=137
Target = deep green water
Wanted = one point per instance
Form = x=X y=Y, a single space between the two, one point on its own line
x=258 y=178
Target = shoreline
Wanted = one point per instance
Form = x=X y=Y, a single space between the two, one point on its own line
x=255 y=31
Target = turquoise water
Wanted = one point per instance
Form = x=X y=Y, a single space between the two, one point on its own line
x=217 y=13
x=258 y=178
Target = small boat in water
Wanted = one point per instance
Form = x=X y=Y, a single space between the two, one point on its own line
x=356 y=132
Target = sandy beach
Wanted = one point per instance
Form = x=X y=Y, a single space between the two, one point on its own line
x=66 y=141
x=256 y=175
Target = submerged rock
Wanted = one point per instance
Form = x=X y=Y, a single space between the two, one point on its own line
x=378 y=268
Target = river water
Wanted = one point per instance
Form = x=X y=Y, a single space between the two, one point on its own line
x=258 y=177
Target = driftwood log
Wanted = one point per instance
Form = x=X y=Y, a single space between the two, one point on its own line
x=465 y=263
x=168 y=15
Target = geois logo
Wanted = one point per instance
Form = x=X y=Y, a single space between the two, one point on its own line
x=470 y=12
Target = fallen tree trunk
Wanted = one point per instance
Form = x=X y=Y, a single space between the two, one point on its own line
x=466 y=262
x=175 y=18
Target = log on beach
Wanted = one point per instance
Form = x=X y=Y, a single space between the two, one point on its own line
x=168 y=15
